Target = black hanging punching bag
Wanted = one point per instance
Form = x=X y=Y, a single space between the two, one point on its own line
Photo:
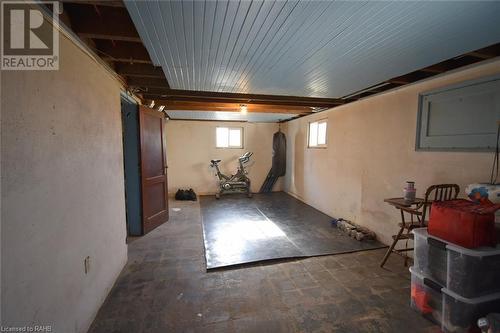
x=279 y=154
x=278 y=169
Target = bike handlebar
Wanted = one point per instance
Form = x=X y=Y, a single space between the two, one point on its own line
x=243 y=158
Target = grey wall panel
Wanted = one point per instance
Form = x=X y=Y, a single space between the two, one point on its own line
x=461 y=117
x=306 y=48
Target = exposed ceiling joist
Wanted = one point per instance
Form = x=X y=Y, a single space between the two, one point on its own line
x=399 y=81
x=481 y=55
x=108 y=3
x=233 y=107
x=97 y=21
x=435 y=69
x=95 y=35
x=139 y=70
x=149 y=82
x=121 y=51
x=202 y=96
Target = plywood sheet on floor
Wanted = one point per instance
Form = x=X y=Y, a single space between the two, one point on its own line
x=239 y=230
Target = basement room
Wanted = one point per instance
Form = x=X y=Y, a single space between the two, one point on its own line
x=250 y=166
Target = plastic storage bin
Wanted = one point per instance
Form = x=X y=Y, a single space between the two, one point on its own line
x=460 y=314
x=465 y=272
x=426 y=297
x=454 y=313
x=430 y=256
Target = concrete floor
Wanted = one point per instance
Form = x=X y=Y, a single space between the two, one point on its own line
x=165 y=288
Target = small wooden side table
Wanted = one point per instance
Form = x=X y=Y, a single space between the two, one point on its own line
x=403 y=205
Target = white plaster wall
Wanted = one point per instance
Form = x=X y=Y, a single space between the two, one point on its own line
x=371 y=153
x=0 y=206
x=191 y=146
x=62 y=192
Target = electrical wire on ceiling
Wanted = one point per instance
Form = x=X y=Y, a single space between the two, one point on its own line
x=495 y=167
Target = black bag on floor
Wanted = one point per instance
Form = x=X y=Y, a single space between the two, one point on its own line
x=180 y=195
x=191 y=195
x=185 y=195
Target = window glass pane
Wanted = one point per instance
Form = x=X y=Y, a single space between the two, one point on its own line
x=222 y=137
x=235 y=137
x=322 y=133
x=313 y=134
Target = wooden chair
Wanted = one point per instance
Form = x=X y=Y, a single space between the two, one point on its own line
x=418 y=214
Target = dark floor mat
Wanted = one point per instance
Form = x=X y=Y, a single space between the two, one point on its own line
x=239 y=230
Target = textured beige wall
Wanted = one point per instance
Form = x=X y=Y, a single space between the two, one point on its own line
x=62 y=192
x=191 y=146
x=371 y=153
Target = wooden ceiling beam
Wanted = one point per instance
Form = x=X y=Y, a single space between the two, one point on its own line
x=398 y=81
x=92 y=20
x=109 y=3
x=482 y=55
x=121 y=51
x=125 y=60
x=203 y=96
x=109 y=36
x=148 y=82
x=232 y=107
x=239 y=101
x=434 y=69
x=139 y=70
x=411 y=77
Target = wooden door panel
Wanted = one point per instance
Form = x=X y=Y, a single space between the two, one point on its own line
x=153 y=169
x=153 y=149
x=154 y=207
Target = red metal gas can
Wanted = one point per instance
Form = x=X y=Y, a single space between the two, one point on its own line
x=463 y=222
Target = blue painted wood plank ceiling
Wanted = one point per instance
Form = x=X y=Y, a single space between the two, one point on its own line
x=306 y=48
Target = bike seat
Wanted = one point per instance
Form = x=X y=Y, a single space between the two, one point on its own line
x=215 y=161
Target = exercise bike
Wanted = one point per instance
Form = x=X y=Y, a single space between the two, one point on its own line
x=237 y=183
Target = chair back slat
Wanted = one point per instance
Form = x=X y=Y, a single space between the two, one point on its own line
x=439 y=192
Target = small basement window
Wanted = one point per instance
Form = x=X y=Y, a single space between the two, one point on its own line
x=229 y=137
x=317 y=134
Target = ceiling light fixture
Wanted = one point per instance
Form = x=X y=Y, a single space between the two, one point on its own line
x=243 y=108
x=152 y=104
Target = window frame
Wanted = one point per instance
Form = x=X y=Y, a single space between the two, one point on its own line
x=317 y=146
x=454 y=142
x=229 y=128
